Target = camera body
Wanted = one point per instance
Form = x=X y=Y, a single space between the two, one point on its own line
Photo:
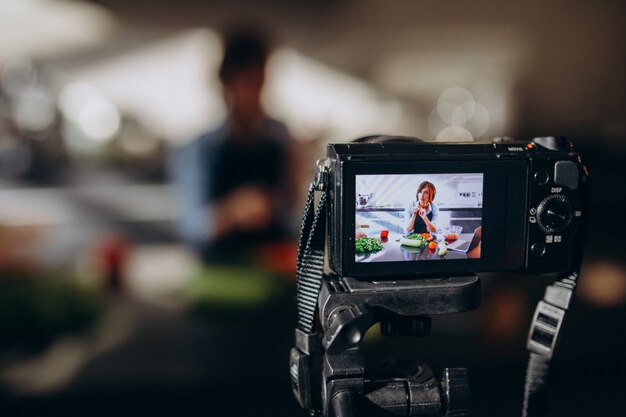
x=501 y=206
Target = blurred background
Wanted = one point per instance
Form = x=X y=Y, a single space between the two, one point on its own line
x=104 y=310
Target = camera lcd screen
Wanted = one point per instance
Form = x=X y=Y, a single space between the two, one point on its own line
x=486 y=199
x=418 y=217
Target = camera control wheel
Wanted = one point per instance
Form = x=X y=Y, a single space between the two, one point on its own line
x=554 y=213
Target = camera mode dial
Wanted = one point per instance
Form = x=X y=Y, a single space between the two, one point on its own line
x=554 y=213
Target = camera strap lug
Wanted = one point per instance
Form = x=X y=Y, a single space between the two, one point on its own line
x=321 y=176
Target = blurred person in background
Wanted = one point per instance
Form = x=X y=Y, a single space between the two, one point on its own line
x=234 y=184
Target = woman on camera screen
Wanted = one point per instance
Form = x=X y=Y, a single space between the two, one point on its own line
x=421 y=215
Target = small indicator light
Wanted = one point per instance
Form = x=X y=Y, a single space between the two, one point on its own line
x=530 y=146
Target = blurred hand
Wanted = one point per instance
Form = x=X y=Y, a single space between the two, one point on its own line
x=249 y=207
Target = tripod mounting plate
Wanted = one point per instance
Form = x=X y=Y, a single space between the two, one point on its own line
x=414 y=297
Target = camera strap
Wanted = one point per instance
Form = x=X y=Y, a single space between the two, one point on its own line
x=309 y=276
x=542 y=340
x=310 y=264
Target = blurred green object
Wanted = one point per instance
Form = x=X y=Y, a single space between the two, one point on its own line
x=35 y=311
x=235 y=287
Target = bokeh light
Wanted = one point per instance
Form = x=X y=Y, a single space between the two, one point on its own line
x=458 y=117
x=99 y=119
x=456 y=106
x=95 y=119
x=603 y=283
x=34 y=112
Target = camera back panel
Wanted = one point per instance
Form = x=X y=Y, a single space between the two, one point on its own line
x=529 y=210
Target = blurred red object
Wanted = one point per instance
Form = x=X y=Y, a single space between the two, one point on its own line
x=112 y=254
x=279 y=258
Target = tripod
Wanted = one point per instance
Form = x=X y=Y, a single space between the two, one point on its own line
x=332 y=360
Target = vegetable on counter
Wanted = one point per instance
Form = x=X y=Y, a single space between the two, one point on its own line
x=414 y=239
x=368 y=244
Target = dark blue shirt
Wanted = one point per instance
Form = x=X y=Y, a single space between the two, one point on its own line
x=213 y=165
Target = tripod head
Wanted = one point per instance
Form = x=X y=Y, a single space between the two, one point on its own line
x=328 y=367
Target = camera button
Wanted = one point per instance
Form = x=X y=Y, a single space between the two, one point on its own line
x=541 y=177
x=566 y=173
x=538 y=249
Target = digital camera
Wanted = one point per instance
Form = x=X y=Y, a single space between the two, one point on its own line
x=403 y=208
